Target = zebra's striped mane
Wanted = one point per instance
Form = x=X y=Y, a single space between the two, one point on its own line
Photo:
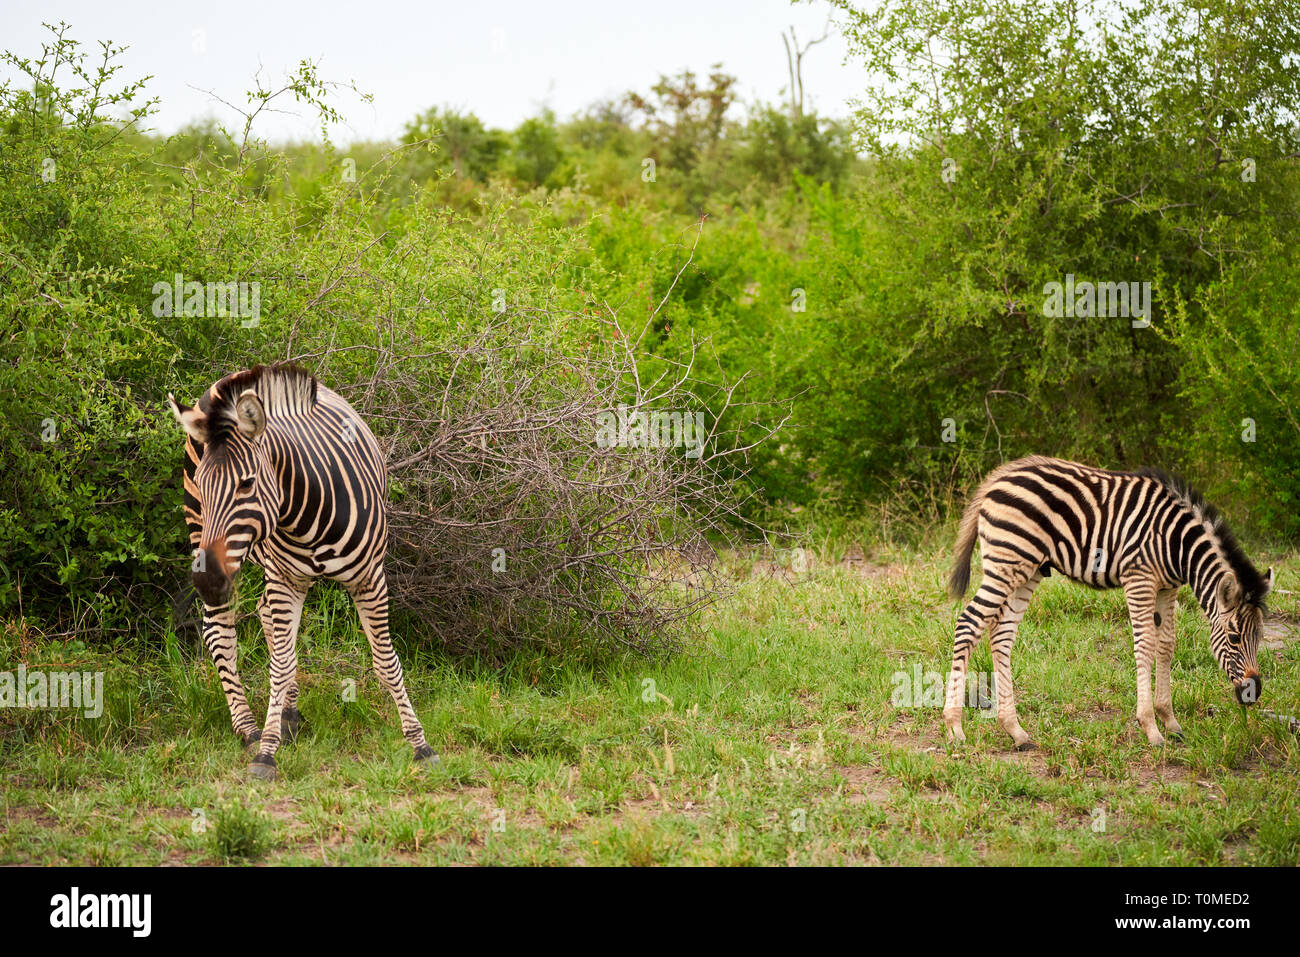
x=1248 y=577
x=284 y=388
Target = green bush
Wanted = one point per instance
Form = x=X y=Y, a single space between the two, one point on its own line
x=1240 y=379
x=239 y=832
x=90 y=507
x=896 y=301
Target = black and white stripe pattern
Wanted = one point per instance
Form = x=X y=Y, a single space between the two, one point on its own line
x=281 y=472
x=1144 y=531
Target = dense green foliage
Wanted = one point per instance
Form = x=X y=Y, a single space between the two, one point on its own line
x=1021 y=144
x=893 y=285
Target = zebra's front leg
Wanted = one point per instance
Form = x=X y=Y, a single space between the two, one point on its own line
x=290 y=717
x=284 y=609
x=220 y=639
x=1140 y=591
x=371 y=598
x=1167 y=640
x=1005 y=630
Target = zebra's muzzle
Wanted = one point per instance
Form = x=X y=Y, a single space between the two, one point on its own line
x=209 y=575
x=1249 y=690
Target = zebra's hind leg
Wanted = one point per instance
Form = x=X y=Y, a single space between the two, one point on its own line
x=1003 y=639
x=371 y=599
x=1166 y=642
x=284 y=609
x=290 y=717
x=1002 y=577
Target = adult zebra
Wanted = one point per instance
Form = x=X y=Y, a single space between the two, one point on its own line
x=1145 y=531
x=282 y=472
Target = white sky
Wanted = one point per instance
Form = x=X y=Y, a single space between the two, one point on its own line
x=503 y=60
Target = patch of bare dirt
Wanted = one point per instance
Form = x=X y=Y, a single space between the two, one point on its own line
x=794 y=564
x=489 y=808
x=1278 y=633
x=39 y=815
x=867 y=785
x=1165 y=772
x=635 y=808
x=1040 y=762
x=1034 y=761
x=283 y=810
x=903 y=738
x=857 y=560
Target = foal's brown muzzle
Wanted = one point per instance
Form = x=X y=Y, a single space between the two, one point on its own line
x=1250 y=688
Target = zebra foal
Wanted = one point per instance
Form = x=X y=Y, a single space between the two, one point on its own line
x=281 y=472
x=1144 y=531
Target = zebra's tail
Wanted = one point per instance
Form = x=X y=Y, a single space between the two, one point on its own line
x=966 y=536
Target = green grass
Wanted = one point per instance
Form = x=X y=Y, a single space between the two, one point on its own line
x=773 y=742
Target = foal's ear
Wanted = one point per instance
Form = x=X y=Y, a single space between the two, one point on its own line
x=250 y=415
x=1268 y=582
x=1229 y=592
x=194 y=422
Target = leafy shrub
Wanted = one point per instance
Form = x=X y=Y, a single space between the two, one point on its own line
x=91 y=509
x=239 y=832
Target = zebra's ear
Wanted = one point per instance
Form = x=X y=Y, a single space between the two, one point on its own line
x=1229 y=592
x=250 y=415
x=194 y=422
x=1268 y=581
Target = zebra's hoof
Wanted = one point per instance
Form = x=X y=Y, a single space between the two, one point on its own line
x=426 y=756
x=290 y=723
x=1026 y=746
x=251 y=741
x=262 y=769
x=1175 y=736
